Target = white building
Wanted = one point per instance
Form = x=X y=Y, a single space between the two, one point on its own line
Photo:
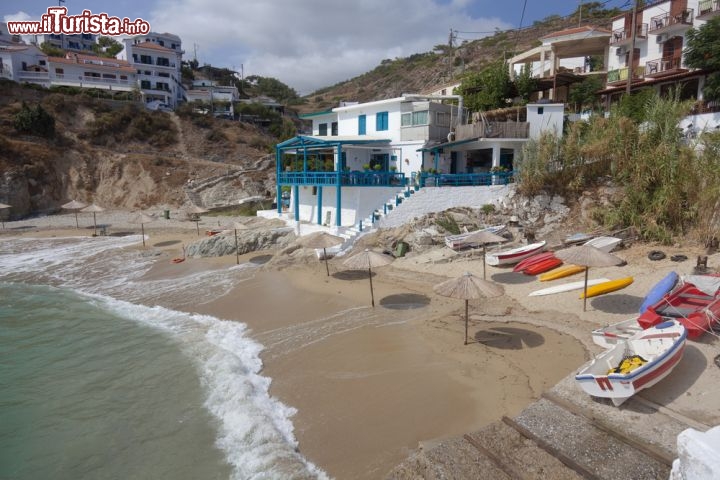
x=208 y=92
x=86 y=71
x=23 y=63
x=77 y=42
x=157 y=58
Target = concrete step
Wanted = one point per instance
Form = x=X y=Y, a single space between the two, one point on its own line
x=595 y=451
x=518 y=456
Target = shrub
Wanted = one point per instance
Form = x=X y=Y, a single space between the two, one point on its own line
x=35 y=121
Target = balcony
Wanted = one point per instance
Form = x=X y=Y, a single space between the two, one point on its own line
x=708 y=9
x=623 y=36
x=663 y=66
x=345 y=179
x=492 y=130
x=465 y=179
x=667 y=23
x=621 y=74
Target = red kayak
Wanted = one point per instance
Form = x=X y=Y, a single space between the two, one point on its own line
x=538 y=257
x=542 y=266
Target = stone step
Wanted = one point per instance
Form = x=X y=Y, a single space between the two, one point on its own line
x=519 y=456
x=598 y=452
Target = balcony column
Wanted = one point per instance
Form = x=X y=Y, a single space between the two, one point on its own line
x=278 y=165
x=338 y=190
x=319 y=204
x=296 y=198
x=436 y=160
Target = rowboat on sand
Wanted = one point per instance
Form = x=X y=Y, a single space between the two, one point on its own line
x=659 y=290
x=696 y=309
x=606 y=244
x=566 y=287
x=634 y=364
x=561 y=272
x=607 y=287
x=514 y=255
x=542 y=266
x=610 y=335
x=457 y=242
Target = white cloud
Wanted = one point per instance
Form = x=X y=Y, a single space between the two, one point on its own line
x=311 y=44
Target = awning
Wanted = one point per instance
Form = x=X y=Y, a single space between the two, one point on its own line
x=325 y=142
x=440 y=146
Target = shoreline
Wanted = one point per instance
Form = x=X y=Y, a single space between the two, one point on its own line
x=374 y=384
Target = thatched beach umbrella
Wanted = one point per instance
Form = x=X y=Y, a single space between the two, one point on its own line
x=484 y=237
x=368 y=259
x=4 y=206
x=75 y=205
x=468 y=287
x=142 y=219
x=94 y=209
x=196 y=211
x=238 y=226
x=322 y=240
x=587 y=256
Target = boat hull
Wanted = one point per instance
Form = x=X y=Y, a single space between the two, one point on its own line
x=532 y=259
x=695 y=309
x=512 y=256
x=658 y=291
x=566 y=287
x=609 y=336
x=543 y=266
x=607 y=287
x=662 y=348
x=457 y=242
x=606 y=244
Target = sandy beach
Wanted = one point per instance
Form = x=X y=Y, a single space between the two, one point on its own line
x=370 y=385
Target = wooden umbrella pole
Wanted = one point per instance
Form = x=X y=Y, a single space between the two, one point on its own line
x=326 y=262
x=483 y=261
x=466 y=321
x=237 y=254
x=77 y=224
x=372 y=295
x=94 y=225
x=142 y=227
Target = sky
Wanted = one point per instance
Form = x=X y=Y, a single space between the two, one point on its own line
x=310 y=44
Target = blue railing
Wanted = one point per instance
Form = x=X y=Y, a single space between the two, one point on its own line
x=465 y=179
x=359 y=179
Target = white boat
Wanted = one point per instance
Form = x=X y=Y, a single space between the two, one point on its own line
x=566 y=287
x=609 y=335
x=514 y=255
x=606 y=244
x=634 y=364
x=458 y=241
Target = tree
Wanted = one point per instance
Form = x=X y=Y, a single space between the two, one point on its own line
x=35 y=121
x=488 y=89
x=107 y=47
x=703 y=51
x=584 y=94
x=525 y=83
x=51 y=51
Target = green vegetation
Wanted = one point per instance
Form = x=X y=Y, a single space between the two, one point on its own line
x=669 y=186
x=447 y=223
x=51 y=51
x=34 y=121
x=107 y=47
x=488 y=89
x=703 y=51
x=131 y=123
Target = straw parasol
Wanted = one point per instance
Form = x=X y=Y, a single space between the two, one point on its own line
x=94 y=209
x=368 y=259
x=587 y=256
x=75 y=205
x=484 y=237
x=142 y=219
x=238 y=226
x=4 y=206
x=196 y=211
x=322 y=240
x=468 y=287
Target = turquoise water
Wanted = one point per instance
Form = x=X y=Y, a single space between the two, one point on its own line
x=99 y=380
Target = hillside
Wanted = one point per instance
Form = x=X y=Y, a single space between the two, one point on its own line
x=422 y=71
x=119 y=154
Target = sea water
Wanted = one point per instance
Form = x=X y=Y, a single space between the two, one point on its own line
x=99 y=381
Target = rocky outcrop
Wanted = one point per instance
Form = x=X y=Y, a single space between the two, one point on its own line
x=248 y=241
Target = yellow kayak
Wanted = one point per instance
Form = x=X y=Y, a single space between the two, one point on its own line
x=560 y=272
x=607 y=287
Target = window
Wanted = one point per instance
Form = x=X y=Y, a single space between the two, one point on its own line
x=416 y=118
x=146 y=59
x=442 y=119
x=381 y=121
x=322 y=129
x=362 y=128
x=42 y=62
x=541 y=110
x=59 y=71
x=334 y=129
x=145 y=84
x=163 y=62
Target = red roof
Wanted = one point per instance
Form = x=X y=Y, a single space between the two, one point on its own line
x=90 y=61
x=153 y=46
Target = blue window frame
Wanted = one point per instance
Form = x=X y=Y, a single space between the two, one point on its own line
x=381 y=121
x=362 y=125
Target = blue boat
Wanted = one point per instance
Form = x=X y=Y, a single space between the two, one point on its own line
x=659 y=290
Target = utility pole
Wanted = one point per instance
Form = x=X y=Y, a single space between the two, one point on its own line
x=580 y=13
x=631 y=56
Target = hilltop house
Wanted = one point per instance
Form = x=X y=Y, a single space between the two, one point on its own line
x=157 y=58
x=218 y=98
x=361 y=154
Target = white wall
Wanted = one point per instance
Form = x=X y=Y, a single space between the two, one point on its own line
x=551 y=118
x=357 y=203
x=348 y=119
